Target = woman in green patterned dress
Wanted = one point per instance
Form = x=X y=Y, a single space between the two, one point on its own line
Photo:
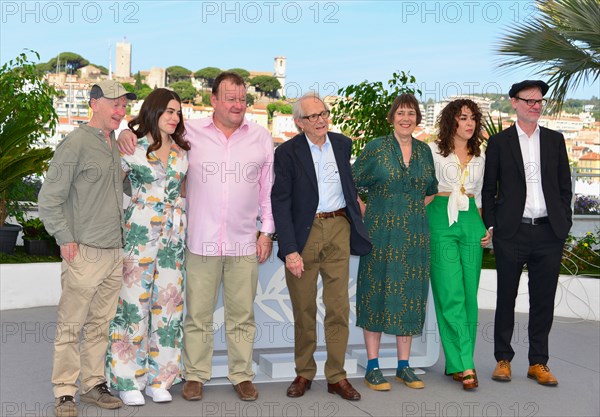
x=393 y=280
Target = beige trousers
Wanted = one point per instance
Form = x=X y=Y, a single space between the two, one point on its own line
x=327 y=251
x=204 y=275
x=90 y=291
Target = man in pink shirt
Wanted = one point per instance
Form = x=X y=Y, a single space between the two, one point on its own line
x=228 y=186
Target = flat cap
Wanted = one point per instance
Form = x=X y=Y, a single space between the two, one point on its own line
x=527 y=84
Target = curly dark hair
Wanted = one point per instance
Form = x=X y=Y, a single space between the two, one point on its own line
x=147 y=121
x=447 y=127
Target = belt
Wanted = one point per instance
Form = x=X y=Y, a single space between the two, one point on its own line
x=331 y=214
x=535 y=222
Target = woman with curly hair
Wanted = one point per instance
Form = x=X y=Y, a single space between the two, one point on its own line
x=146 y=334
x=458 y=235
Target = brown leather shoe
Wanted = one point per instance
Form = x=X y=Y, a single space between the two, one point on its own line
x=502 y=371
x=298 y=387
x=246 y=391
x=192 y=390
x=541 y=373
x=344 y=389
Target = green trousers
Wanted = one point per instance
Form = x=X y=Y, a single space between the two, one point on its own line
x=456 y=254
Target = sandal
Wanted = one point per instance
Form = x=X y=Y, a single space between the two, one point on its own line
x=456 y=376
x=470 y=381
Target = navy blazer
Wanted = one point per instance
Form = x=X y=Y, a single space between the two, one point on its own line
x=504 y=188
x=295 y=195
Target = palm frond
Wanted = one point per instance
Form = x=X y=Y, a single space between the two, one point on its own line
x=492 y=127
x=562 y=42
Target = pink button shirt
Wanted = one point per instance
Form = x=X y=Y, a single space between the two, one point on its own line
x=229 y=180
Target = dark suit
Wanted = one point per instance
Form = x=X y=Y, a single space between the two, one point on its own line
x=325 y=246
x=295 y=194
x=517 y=243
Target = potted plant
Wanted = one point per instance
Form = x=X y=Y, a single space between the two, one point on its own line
x=27 y=116
x=36 y=239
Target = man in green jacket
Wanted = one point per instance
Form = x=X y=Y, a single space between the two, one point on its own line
x=81 y=205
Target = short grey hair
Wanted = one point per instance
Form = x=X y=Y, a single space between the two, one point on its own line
x=297 y=106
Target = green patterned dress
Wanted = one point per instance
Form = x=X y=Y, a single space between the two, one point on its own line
x=393 y=280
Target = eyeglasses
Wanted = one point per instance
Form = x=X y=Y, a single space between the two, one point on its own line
x=531 y=102
x=314 y=117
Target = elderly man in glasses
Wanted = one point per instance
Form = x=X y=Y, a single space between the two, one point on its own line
x=318 y=221
x=527 y=207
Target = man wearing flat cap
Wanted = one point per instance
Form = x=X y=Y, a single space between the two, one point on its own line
x=81 y=205
x=527 y=207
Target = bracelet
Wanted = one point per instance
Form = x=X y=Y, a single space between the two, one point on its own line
x=267 y=234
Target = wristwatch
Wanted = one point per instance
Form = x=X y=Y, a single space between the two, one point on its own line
x=267 y=234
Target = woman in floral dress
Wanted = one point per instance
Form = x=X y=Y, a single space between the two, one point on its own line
x=145 y=335
x=393 y=279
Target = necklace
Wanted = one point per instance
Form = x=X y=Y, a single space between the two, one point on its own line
x=463 y=173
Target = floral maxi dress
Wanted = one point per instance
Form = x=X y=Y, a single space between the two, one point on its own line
x=145 y=335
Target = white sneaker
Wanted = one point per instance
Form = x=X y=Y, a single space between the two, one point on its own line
x=133 y=397
x=158 y=395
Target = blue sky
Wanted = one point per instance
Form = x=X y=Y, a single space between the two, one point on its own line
x=447 y=45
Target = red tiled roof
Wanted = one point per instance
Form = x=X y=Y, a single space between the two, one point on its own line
x=591 y=156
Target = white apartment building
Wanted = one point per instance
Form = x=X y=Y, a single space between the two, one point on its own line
x=431 y=113
x=258 y=116
x=434 y=109
x=189 y=111
x=282 y=123
x=564 y=124
x=74 y=103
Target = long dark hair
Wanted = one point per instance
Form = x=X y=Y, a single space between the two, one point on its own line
x=447 y=124
x=147 y=121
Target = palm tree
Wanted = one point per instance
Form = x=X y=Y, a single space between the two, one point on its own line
x=563 y=40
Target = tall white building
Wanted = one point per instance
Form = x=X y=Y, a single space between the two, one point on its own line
x=123 y=63
x=279 y=73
